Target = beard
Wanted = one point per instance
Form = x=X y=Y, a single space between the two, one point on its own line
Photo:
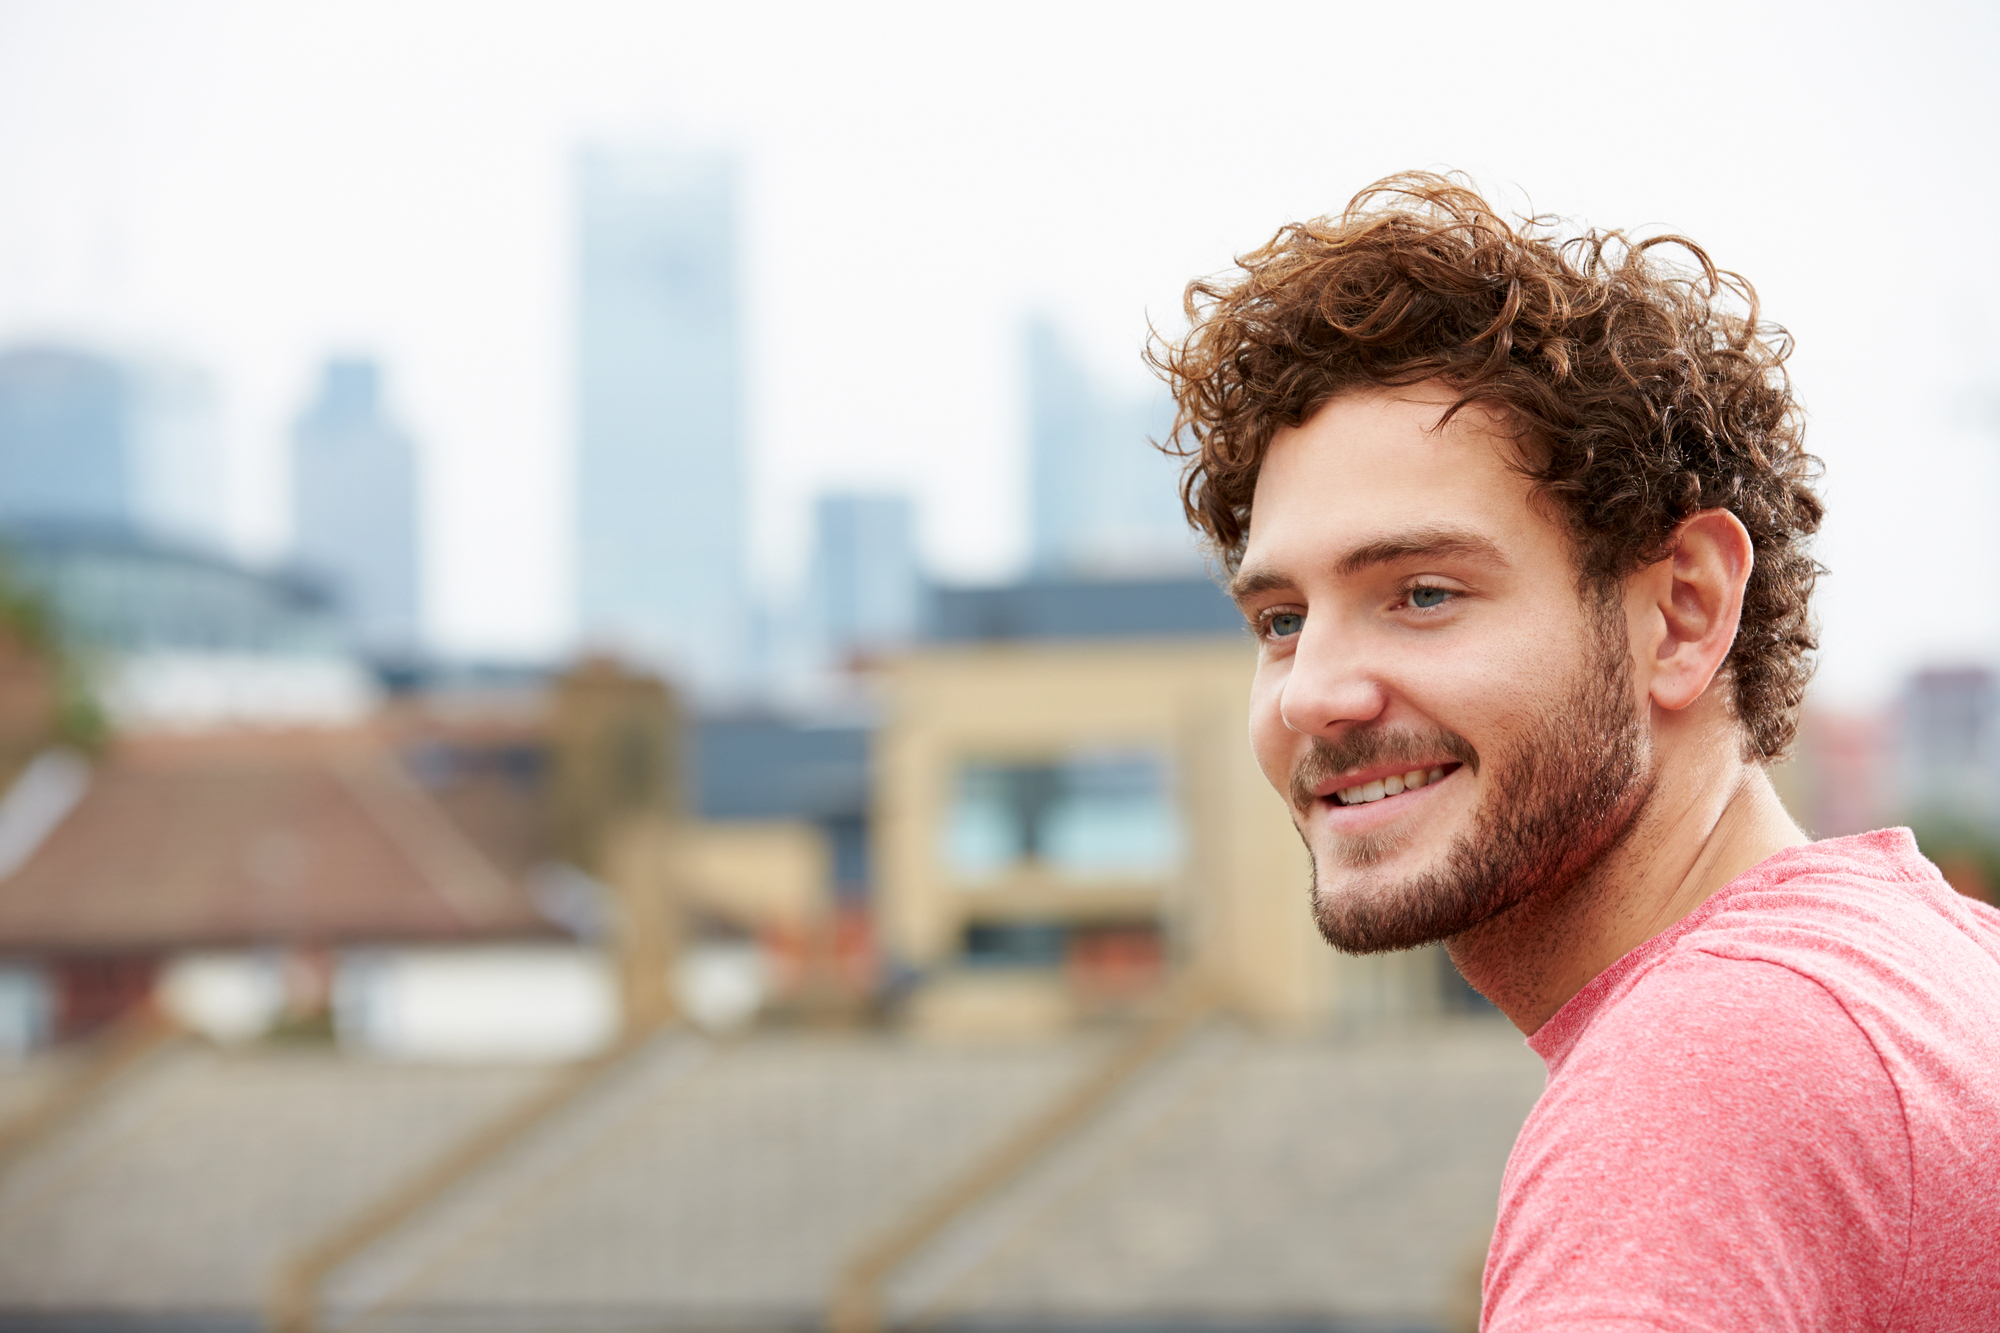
x=1561 y=799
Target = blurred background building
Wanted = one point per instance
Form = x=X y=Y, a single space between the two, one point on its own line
x=1102 y=503
x=95 y=440
x=355 y=507
x=866 y=584
x=110 y=515
x=660 y=470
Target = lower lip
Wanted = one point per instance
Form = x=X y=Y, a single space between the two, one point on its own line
x=1362 y=818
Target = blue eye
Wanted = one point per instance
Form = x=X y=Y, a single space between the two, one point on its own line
x=1285 y=624
x=1426 y=598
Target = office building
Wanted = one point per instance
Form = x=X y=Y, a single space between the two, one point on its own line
x=1067 y=819
x=865 y=582
x=660 y=491
x=1104 y=502
x=96 y=441
x=1951 y=747
x=180 y=490
x=184 y=636
x=355 y=507
x=64 y=447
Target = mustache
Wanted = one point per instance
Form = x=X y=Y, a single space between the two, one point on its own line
x=1366 y=748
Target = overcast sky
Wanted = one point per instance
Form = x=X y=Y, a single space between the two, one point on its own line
x=253 y=185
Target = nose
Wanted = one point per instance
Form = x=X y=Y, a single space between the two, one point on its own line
x=1329 y=685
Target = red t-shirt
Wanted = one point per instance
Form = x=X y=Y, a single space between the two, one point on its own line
x=1783 y=1113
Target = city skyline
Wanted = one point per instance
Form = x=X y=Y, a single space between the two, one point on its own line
x=197 y=175
x=1103 y=503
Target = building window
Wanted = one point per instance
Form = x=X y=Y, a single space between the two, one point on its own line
x=1016 y=944
x=1093 y=816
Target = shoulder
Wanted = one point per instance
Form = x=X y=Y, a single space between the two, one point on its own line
x=1913 y=965
x=1871 y=899
x=1723 y=1137
x=1704 y=1043
x=1773 y=1115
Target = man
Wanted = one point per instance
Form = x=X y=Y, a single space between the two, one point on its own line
x=1521 y=528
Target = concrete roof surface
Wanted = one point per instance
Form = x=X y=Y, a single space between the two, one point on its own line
x=1242 y=1180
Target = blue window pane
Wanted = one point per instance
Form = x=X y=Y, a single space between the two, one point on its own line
x=1090 y=817
x=984 y=836
x=1113 y=837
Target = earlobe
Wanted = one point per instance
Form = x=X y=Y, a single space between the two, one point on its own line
x=1700 y=601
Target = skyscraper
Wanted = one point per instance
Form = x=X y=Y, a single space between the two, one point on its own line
x=660 y=467
x=65 y=441
x=90 y=440
x=179 y=476
x=354 y=506
x=865 y=579
x=1104 y=500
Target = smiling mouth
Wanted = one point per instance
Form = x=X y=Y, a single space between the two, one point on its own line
x=1381 y=789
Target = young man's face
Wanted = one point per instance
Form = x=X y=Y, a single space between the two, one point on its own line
x=1452 y=721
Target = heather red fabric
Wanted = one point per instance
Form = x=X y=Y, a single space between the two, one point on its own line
x=1782 y=1113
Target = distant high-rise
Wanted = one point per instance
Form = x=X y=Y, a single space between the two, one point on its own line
x=95 y=441
x=179 y=482
x=1951 y=745
x=354 y=506
x=660 y=467
x=1104 y=500
x=865 y=579
x=65 y=449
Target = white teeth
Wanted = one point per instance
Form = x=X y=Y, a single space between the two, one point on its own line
x=1389 y=786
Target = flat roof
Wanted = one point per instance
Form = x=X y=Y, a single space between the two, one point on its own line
x=1083 y=609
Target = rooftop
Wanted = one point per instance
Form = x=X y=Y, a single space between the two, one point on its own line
x=254 y=838
x=1241 y=1181
x=1083 y=609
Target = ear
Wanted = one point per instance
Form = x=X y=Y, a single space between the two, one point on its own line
x=1696 y=593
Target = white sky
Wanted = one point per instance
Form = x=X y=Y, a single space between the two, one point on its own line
x=253 y=185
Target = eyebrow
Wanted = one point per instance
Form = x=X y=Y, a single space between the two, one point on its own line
x=1435 y=543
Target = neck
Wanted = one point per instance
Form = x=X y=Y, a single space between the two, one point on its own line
x=1710 y=817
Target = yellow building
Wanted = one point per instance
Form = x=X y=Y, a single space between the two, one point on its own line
x=1050 y=812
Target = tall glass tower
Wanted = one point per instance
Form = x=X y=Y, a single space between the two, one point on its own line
x=1104 y=501
x=866 y=584
x=660 y=469
x=122 y=442
x=354 y=506
x=65 y=439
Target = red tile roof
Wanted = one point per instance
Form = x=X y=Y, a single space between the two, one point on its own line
x=220 y=840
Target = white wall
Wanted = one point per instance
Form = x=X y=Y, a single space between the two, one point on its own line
x=475 y=1003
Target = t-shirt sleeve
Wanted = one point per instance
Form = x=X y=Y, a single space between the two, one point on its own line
x=1722 y=1150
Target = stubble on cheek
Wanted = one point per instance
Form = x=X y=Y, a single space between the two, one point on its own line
x=1565 y=792
x=1326 y=759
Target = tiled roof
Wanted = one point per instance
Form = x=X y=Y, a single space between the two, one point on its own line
x=218 y=840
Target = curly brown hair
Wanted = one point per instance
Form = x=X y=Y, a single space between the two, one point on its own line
x=1646 y=391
